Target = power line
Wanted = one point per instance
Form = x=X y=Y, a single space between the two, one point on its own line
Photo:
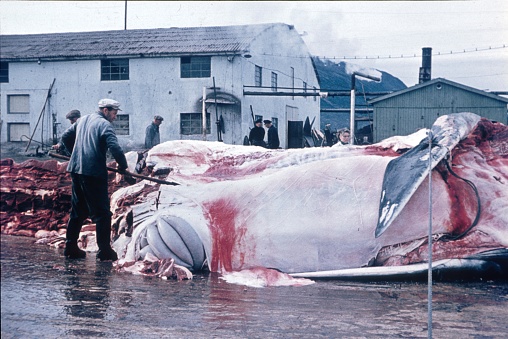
x=397 y=56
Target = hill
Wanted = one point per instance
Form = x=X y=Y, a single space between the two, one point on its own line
x=337 y=76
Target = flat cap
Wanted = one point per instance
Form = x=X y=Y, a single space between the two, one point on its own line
x=109 y=103
x=73 y=114
x=158 y=117
x=267 y=121
x=258 y=121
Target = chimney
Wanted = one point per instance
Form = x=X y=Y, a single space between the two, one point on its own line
x=426 y=65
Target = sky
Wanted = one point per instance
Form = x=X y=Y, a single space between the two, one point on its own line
x=469 y=39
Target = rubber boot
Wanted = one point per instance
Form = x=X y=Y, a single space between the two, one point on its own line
x=103 y=233
x=72 y=251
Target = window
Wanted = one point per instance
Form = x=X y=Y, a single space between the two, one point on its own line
x=274 y=82
x=275 y=122
x=16 y=130
x=258 y=77
x=192 y=123
x=293 y=81
x=18 y=104
x=114 y=69
x=305 y=88
x=4 y=71
x=121 y=124
x=195 y=67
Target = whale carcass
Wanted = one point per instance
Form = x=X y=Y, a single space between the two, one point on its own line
x=321 y=212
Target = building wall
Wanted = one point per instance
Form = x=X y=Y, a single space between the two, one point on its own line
x=406 y=113
x=155 y=88
x=277 y=51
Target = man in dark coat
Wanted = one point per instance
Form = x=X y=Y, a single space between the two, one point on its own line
x=152 y=136
x=89 y=139
x=273 y=135
x=73 y=116
x=257 y=134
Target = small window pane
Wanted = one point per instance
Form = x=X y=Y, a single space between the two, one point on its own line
x=274 y=82
x=121 y=124
x=191 y=123
x=258 y=76
x=195 y=67
x=117 y=69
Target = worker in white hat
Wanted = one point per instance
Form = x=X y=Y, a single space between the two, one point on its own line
x=89 y=139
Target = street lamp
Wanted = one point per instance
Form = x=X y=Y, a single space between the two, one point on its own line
x=353 y=100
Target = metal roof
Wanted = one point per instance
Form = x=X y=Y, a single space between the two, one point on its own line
x=135 y=42
x=435 y=81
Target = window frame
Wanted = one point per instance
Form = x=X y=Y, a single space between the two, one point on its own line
x=119 y=130
x=107 y=69
x=195 y=69
x=9 y=96
x=293 y=82
x=273 y=82
x=275 y=122
x=4 y=72
x=10 y=124
x=258 y=76
x=196 y=124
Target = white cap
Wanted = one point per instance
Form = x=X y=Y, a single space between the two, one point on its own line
x=109 y=103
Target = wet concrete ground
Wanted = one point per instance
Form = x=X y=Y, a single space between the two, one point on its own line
x=45 y=296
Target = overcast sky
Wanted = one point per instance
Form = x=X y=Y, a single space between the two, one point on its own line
x=331 y=29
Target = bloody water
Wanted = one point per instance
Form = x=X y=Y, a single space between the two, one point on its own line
x=46 y=296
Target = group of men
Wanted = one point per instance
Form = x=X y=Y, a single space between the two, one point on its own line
x=257 y=135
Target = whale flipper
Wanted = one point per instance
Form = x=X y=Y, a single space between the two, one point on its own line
x=403 y=175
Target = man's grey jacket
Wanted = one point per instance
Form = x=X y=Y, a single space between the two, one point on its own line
x=89 y=139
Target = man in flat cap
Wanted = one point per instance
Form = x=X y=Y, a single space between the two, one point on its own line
x=273 y=135
x=89 y=139
x=257 y=134
x=152 y=135
x=73 y=116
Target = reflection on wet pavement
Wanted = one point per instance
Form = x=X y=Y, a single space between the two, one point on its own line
x=45 y=296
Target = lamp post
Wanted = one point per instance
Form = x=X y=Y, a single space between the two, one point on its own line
x=353 y=100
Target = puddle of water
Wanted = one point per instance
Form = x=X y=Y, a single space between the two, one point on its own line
x=45 y=296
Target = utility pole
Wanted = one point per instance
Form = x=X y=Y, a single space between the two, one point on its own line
x=203 y=112
x=353 y=100
x=125 y=17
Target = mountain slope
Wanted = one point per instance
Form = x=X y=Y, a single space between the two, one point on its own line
x=337 y=76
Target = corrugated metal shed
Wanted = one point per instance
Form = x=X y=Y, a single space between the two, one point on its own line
x=404 y=112
x=129 y=43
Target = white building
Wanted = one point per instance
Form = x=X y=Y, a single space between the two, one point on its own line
x=158 y=72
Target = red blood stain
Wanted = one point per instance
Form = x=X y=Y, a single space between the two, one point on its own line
x=228 y=167
x=381 y=151
x=222 y=215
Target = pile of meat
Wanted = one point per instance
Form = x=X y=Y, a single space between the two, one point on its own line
x=36 y=197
